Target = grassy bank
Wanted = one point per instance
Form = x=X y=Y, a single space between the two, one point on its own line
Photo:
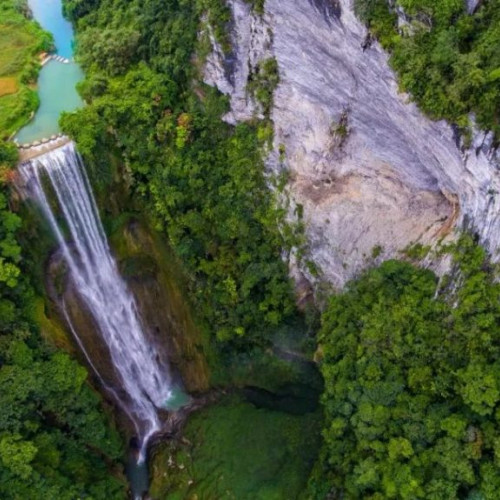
x=21 y=42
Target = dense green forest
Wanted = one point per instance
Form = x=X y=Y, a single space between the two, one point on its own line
x=202 y=179
x=412 y=383
x=447 y=59
x=55 y=439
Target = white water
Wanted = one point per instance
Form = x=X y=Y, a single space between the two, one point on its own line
x=106 y=295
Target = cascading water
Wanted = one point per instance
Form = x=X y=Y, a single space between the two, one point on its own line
x=94 y=272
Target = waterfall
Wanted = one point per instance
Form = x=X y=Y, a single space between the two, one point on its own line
x=101 y=288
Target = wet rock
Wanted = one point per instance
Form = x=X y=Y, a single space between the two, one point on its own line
x=162 y=304
x=167 y=319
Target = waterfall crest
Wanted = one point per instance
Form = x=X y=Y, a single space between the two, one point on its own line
x=143 y=376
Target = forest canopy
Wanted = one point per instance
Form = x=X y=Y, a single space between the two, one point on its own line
x=203 y=180
x=448 y=59
x=412 y=384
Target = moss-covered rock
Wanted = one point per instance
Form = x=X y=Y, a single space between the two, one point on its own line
x=154 y=277
x=236 y=450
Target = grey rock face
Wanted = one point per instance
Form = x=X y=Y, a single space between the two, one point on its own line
x=472 y=5
x=251 y=43
x=391 y=177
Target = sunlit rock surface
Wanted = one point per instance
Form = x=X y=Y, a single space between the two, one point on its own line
x=395 y=178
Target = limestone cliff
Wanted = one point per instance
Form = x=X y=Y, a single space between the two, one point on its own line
x=369 y=169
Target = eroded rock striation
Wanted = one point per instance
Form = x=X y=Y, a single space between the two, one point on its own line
x=370 y=170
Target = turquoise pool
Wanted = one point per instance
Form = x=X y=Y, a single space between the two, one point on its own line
x=49 y=14
x=57 y=81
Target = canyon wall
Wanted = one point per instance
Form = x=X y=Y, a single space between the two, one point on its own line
x=370 y=170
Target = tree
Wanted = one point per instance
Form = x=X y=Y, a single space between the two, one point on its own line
x=411 y=384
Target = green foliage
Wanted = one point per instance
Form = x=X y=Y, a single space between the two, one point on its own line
x=202 y=179
x=263 y=82
x=8 y=155
x=448 y=60
x=377 y=251
x=218 y=16
x=417 y=251
x=412 y=384
x=227 y=238
x=258 y=5
x=21 y=40
x=238 y=451
x=377 y=16
x=110 y=50
x=54 y=438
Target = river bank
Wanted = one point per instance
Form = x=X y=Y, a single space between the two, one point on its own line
x=58 y=76
x=21 y=42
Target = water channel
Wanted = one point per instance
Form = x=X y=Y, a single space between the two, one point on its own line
x=57 y=80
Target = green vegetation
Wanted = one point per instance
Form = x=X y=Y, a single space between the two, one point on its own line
x=263 y=82
x=202 y=179
x=417 y=251
x=377 y=251
x=55 y=441
x=21 y=40
x=258 y=6
x=8 y=158
x=412 y=387
x=448 y=60
x=235 y=450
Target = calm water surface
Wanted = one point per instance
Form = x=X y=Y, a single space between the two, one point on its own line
x=56 y=83
x=49 y=14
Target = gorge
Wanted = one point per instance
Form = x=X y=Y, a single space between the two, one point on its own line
x=129 y=356
x=249 y=265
